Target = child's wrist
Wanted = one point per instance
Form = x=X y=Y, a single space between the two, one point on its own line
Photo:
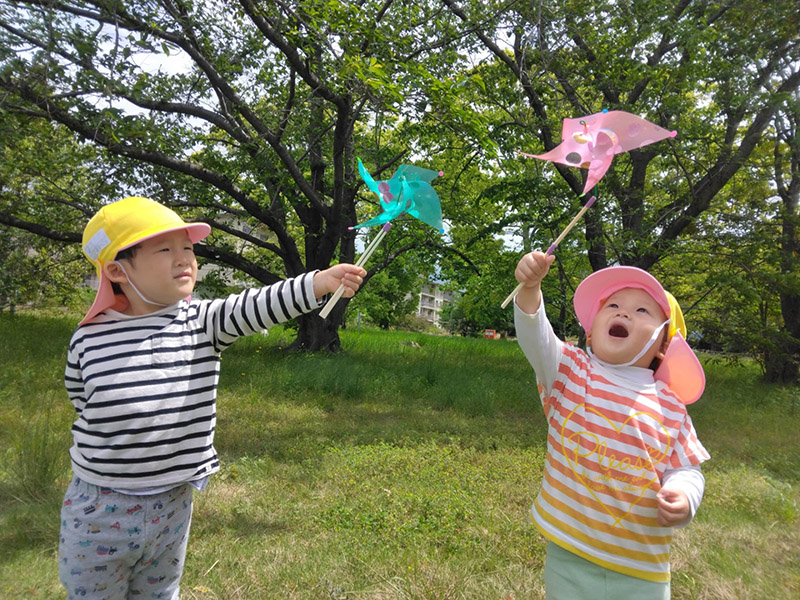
x=319 y=284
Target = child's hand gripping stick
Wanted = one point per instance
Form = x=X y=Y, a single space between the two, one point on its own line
x=552 y=247
x=362 y=259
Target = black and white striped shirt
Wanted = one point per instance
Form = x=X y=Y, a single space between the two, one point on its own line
x=144 y=388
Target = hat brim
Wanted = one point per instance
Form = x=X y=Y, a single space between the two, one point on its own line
x=681 y=371
x=598 y=286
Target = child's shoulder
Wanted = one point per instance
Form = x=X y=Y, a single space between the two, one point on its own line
x=576 y=354
x=112 y=322
x=574 y=364
x=669 y=399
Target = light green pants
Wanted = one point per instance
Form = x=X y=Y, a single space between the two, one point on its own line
x=567 y=576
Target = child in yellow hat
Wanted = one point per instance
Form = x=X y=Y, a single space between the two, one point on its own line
x=142 y=373
x=623 y=458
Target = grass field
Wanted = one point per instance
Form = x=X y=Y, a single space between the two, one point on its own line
x=391 y=471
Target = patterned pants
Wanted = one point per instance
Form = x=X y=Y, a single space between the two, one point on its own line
x=117 y=546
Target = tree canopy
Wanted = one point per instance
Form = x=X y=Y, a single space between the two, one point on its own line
x=250 y=116
x=247 y=115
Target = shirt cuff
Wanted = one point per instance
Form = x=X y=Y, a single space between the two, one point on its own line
x=691 y=482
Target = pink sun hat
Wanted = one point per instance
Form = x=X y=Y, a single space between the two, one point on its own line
x=123 y=224
x=679 y=368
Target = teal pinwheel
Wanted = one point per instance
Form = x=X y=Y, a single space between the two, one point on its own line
x=408 y=191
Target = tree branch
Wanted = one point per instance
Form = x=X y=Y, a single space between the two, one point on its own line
x=428 y=244
x=55 y=112
x=219 y=256
x=245 y=236
x=290 y=52
x=40 y=230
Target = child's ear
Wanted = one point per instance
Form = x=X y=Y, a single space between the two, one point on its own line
x=663 y=349
x=114 y=272
x=589 y=338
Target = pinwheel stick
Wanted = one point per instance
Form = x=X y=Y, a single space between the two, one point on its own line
x=552 y=247
x=360 y=263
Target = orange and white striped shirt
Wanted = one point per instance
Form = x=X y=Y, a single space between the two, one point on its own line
x=614 y=436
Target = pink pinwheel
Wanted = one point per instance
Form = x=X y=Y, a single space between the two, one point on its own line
x=591 y=142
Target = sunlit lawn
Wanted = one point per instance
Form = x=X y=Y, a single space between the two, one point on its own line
x=393 y=471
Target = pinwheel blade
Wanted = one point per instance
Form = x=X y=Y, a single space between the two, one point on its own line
x=591 y=142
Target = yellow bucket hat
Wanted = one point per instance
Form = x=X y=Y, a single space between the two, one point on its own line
x=679 y=368
x=123 y=224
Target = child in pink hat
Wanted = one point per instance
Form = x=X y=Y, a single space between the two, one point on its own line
x=623 y=459
x=142 y=373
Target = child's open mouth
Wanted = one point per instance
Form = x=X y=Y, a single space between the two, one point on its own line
x=618 y=331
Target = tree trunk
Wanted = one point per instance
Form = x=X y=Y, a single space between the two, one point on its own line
x=315 y=333
x=782 y=365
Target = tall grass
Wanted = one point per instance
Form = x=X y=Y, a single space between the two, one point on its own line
x=394 y=470
x=35 y=460
x=33 y=429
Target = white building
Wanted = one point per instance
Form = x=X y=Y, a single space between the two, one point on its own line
x=432 y=299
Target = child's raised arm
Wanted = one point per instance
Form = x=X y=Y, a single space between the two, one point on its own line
x=530 y=271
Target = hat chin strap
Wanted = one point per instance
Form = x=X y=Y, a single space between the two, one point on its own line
x=641 y=353
x=135 y=289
